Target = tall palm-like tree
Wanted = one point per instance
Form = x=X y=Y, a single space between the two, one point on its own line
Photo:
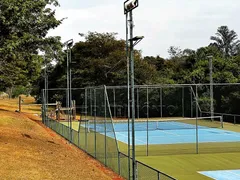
x=226 y=40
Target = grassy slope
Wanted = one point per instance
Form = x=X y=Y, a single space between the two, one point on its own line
x=29 y=151
x=28 y=106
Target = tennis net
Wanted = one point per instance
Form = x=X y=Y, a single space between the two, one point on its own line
x=151 y=125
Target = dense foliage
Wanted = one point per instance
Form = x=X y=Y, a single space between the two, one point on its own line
x=24 y=26
x=100 y=58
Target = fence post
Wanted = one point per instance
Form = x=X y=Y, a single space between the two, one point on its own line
x=95 y=125
x=221 y=119
x=161 y=102
x=183 y=102
x=85 y=109
x=147 y=119
x=114 y=102
x=74 y=109
x=43 y=107
x=138 y=103
x=20 y=103
x=196 y=119
x=90 y=103
x=234 y=120
x=85 y=135
x=105 y=125
x=136 y=170
x=78 y=135
x=191 y=102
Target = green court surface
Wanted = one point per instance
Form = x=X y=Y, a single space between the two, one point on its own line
x=186 y=167
x=180 y=160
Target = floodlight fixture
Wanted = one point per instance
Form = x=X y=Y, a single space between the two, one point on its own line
x=136 y=40
x=210 y=57
x=68 y=43
x=129 y=5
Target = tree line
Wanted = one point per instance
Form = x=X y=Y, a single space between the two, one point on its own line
x=24 y=25
x=100 y=58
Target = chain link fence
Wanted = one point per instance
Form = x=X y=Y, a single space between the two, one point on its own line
x=164 y=107
x=91 y=121
x=88 y=124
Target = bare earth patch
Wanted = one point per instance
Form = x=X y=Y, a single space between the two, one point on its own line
x=28 y=150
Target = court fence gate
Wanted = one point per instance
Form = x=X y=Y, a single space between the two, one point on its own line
x=93 y=111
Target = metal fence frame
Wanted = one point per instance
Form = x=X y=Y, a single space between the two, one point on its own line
x=90 y=108
x=82 y=139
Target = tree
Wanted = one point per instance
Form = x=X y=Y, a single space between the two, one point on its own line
x=24 y=26
x=226 y=40
x=101 y=59
x=157 y=61
x=174 y=52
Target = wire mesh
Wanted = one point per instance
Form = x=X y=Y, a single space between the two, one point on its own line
x=92 y=105
x=100 y=111
x=144 y=172
x=153 y=125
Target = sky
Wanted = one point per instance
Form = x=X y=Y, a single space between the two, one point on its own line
x=163 y=23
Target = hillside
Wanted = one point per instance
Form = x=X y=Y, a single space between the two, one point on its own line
x=28 y=150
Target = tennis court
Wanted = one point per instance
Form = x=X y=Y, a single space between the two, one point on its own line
x=222 y=175
x=166 y=138
x=170 y=132
x=180 y=136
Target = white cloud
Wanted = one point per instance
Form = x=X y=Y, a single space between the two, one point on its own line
x=185 y=23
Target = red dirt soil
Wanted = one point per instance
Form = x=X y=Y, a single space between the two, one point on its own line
x=29 y=150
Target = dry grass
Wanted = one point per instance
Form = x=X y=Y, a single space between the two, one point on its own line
x=30 y=151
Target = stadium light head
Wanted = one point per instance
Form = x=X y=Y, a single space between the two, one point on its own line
x=136 y=40
x=68 y=43
x=210 y=57
x=129 y=5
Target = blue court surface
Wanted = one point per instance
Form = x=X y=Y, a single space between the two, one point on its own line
x=180 y=136
x=169 y=133
x=222 y=175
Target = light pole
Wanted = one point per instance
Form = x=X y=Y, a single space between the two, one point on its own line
x=211 y=85
x=69 y=44
x=129 y=5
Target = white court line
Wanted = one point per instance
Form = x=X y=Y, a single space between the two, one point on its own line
x=127 y=136
x=166 y=132
x=183 y=124
x=230 y=171
x=174 y=136
x=117 y=138
x=217 y=141
x=228 y=178
x=170 y=133
x=221 y=133
x=180 y=136
x=210 y=175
